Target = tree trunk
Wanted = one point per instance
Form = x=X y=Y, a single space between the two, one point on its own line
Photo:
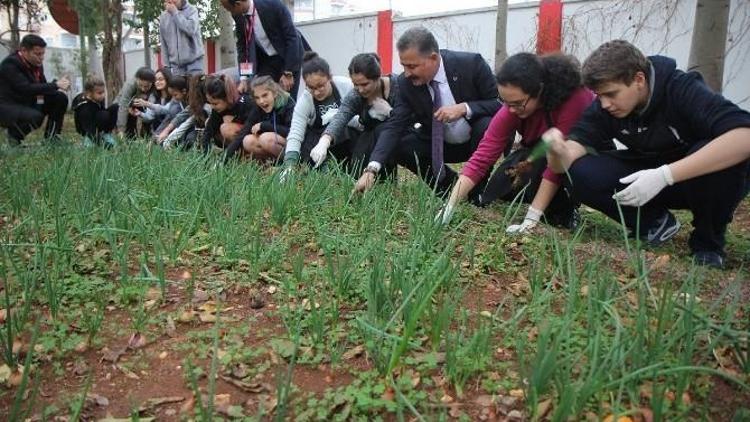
x=15 y=33
x=82 y=55
x=501 y=28
x=95 y=59
x=112 y=46
x=227 y=46
x=708 y=46
x=146 y=45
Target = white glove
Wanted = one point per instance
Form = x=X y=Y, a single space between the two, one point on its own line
x=328 y=115
x=644 y=185
x=445 y=214
x=319 y=153
x=380 y=109
x=286 y=174
x=533 y=216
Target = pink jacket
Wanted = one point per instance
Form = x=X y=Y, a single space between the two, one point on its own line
x=504 y=125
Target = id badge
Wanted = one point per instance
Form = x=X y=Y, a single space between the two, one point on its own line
x=40 y=100
x=246 y=69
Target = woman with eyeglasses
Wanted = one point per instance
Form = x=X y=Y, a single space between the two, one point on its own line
x=538 y=93
x=315 y=108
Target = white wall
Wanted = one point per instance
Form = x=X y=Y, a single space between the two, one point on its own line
x=339 y=39
x=656 y=27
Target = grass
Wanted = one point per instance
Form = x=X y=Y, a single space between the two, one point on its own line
x=589 y=326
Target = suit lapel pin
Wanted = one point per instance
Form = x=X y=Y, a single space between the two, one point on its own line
x=455 y=78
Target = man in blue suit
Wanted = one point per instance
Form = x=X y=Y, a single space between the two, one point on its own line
x=445 y=103
x=267 y=41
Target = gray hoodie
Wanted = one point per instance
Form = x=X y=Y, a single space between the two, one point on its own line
x=180 y=37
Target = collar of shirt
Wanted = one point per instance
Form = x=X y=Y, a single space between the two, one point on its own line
x=440 y=77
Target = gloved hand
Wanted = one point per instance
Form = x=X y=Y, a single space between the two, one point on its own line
x=319 y=153
x=328 y=115
x=380 y=109
x=445 y=214
x=533 y=216
x=644 y=185
x=286 y=174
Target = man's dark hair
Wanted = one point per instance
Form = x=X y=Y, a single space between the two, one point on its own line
x=366 y=64
x=552 y=78
x=614 y=61
x=419 y=38
x=312 y=63
x=31 y=40
x=145 y=74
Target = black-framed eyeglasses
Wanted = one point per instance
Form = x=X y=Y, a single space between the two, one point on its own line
x=518 y=105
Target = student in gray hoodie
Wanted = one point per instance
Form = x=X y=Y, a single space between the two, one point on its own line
x=180 y=38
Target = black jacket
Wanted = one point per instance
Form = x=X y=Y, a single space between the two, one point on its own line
x=18 y=85
x=239 y=112
x=278 y=121
x=279 y=27
x=85 y=113
x=471 y=81
x=681 y=112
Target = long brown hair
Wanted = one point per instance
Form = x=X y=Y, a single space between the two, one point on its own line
x=197 y=98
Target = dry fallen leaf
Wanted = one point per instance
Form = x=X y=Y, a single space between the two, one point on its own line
x=660 y=263
x=96 y=399
x=455 y=411
x=80 y=368
x=446 y=399
x=250 y=387
x=154 y=402
x=543 y=408
x=169 y=327
x=611 y=418
x=112 y=356
x=136 y=341
x=354 y=352
x=153 y=294
x=240 y=371
x=128 y=373
x=199 y=296
x=485 y=400
x=82 y=346
x=268 y=403
x=110 y=418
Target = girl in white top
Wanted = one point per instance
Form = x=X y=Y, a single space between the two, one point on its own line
x=315 y=108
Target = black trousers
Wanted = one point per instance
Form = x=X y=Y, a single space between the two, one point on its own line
x=712 y=198
x=274 y=67
x=131 y=128
x=21 y=119
x=104 y=121
x=503 y=186
x=414 y=152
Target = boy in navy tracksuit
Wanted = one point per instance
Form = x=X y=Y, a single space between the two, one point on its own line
x=687 y=148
